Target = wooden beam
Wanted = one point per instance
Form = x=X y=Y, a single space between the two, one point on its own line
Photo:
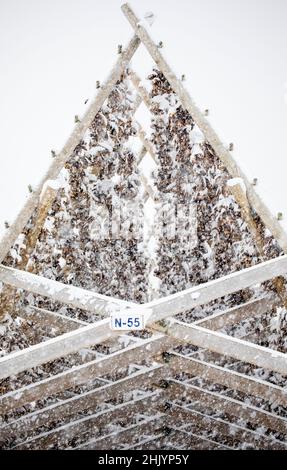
x=55 y=348
x=136 y=81
x=85 y=401
x=225 y=156
x=229 y=346
x=84 y=373
x=231 y=316
x=181 y=439
x=64 y=293
x=80 y=128
x=206 y=292
x=62 y=435
x=161 y=308
x=229 y=378
x=221 y=430
x=45 y=318
x=222 y=403
x=115 y=439
x=146 y=142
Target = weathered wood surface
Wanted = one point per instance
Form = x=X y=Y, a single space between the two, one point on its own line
x=222 y=431
x=224 y=404
x=84 y=373
x=230 y=378
x=63 y=435
x=57 y=164
x=85 y=401
x=229 y=346
x=225 y=156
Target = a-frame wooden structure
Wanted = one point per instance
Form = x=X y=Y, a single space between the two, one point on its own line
x=176 y=400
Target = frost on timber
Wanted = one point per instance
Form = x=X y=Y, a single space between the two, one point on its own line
x=101 y=172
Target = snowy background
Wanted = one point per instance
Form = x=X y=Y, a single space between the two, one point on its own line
x=233 y=53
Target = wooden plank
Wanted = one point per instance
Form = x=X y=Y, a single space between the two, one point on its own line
x=146 y=142
x=161 y=308
x=84 y=373
x=80 y=128
x=45 y=318
x=136 y=81
x=124 y=436
x=58 y=291
x=222 y=431
x=231 y=316
x=225 y=156
x=180 y=439
x=229 y=378
x=55 y=348
x=208 y=291
x=228 y=405
x=85 y=401
x=62 y=435
x=229 y=346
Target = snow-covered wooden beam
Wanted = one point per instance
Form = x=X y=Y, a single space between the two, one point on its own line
x=206 y=292
x=61 y=435
x=233 y=315
x=149 y=426
x=136 y=81
x=83 y=373
x=145 y=141
x=229 y=346
x=82 y=402
x=45 y=318
x=161 y=309
x=230 y=406
x=200 y=422
x=16 y=228
x=262 y=210
x=147 y=443
x=179 y=439
x=55 y=348
x=141 y=154
x=64 y=293
x=230 y=378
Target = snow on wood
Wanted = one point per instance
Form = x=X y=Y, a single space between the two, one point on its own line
x=182 y=301
x=230 y=379
x=244 y=351
x=70 y=295
x=83 y=373
x=124 y=436
x=45 y=318
x=162 y=308
x=236 y=314
x=57 y=164
x=225 y=404
x=63 y=434
x=79 y=403
x=269 y=220
x=220 y=429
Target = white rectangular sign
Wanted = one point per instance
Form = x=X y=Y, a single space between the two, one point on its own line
x=127 y=321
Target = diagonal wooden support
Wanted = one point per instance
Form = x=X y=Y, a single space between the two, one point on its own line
x=220 y=429
x=81 y=374
x=62 y=435
x=160 y=309
x=244 y=351
x=225 y=156
x=58 y=291
x=229 y=378
x=223 y=404
x=85 y=401
x=16 y=228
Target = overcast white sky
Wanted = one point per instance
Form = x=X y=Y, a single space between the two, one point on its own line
x=233 y=53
